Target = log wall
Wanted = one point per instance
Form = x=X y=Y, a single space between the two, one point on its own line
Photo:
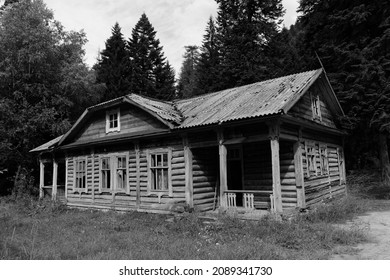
x=205 y=178
x=319 y=187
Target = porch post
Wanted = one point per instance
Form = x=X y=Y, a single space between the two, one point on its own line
x=274 y=131
x=189 y=189
x=299 y=178
x=41 y=177
x=138 y=174
x=222 y=168
x=55 y=176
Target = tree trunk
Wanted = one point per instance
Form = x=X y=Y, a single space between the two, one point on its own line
x=384 y=157
x=16 y=179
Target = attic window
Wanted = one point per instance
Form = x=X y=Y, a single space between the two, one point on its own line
x=113 y=121
x=316 y=106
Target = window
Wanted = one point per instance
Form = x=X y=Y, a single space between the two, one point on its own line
x=113 y=173
x=106 y=173
x=121 y=171
x=324 y=166
x=113 y=121
x=311 y=159
x=316 y=106
x=80 y=174
x=159 y=172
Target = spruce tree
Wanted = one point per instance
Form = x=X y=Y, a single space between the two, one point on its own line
x=151 y=73
x=187 y=78
x=113 y=67
x=244 y=29
x=207 y=69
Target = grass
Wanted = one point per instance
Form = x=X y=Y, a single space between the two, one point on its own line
x=33 y=229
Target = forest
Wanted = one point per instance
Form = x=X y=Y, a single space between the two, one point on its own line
x=45 y=84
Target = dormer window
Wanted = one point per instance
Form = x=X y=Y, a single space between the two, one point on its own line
x=316 y=106
x=113 y=121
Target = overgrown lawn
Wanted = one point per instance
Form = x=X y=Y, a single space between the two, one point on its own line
x=42 y=230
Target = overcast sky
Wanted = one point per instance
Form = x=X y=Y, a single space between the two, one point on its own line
x=178 y=22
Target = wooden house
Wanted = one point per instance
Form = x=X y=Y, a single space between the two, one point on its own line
x=267 y=146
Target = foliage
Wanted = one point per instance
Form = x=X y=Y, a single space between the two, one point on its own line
x=42 y=75
x=352 y=40
x=187 y=79
x=244 y=28
x=152 y=75
x=113 y=67
x=207 y=74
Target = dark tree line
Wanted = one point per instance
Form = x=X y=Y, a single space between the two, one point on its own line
x=45 y=85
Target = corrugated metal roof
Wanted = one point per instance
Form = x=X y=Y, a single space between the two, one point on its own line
x=255 y=100
x=166 y=110
x=47 y=145
x=265 y=98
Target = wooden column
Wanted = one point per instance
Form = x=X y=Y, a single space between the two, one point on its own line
x=222 y=168
x=41 y=177
x=299 y=176
x=138 y=174
x=274 y=130
x=66 y=175
x=55 y=177
x=189 y=188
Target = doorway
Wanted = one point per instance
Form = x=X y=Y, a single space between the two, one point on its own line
x=235 y=172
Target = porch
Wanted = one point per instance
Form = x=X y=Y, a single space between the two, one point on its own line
x=247 y=173
x=52 y=177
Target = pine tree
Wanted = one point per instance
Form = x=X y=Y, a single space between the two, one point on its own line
x=187 y=78
x=244 y=29
x=151 y=74
x=207 y=70
x=113 y=67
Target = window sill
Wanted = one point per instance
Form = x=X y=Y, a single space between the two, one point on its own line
x=160 y=194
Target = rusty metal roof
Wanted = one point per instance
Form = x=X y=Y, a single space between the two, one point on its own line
x=255 y=100
x=260 y=99
x=164 y=109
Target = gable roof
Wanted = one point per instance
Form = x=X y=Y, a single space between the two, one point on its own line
x=267 y=98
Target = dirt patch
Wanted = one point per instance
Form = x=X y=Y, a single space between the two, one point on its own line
x=377 y=225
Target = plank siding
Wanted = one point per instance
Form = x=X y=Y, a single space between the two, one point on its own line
x=132 y=120
x=302 y=109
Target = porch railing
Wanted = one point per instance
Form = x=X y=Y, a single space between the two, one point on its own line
x=251 y=199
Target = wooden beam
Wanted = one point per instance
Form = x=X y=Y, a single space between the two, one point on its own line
x=222 y=168
x=66 y=176
x=138 y=174
x=55 y=177
x=299 y=176
x=41 y=177
x=274 y=131
x=189 y=188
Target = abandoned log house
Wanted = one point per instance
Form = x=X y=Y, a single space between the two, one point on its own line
x=267 y=146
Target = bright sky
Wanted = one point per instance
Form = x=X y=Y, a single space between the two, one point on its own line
x=178 y=23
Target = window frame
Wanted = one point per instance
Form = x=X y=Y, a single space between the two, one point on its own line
x=156 y=152
x=316 y=106
x=324 y=159
x=76 y=171
x=110 y=113
x=311 y=158
x=113 y=161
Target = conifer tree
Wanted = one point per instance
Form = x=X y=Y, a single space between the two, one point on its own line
x=151 y=73
x=244 y=29
x=187 y=78
x=352 y=40
x=207 y=70
x=113 y=67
